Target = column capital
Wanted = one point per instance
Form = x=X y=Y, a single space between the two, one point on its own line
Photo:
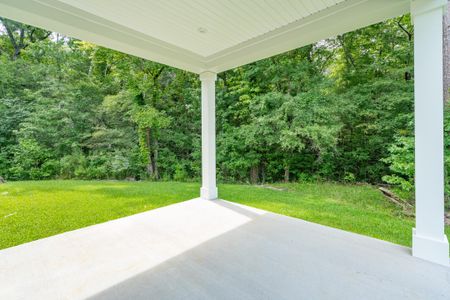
x=419 y=7
x=208 y=76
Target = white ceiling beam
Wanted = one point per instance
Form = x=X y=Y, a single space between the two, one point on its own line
x=79 y=24
x=341 y=18
x=74 y=22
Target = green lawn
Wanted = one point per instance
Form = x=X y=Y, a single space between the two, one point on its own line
x=361 y=209
x=33 y=210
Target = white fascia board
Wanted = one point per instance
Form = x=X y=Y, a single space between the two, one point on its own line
x=60 y=17
x=65 y=19
x=344 y=17
x=419 y=7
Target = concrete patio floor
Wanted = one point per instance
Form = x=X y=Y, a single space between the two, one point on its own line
x=202 y=249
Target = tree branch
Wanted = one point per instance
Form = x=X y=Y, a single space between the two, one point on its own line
x=11 y=37
x=409 y=34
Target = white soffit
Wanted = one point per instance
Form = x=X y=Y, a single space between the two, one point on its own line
x=200 y=35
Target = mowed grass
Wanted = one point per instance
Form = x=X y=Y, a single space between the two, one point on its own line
x=34 y=210
x=357 y=208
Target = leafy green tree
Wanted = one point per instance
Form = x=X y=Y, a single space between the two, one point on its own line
x=31 y=161
x=21 y=36
x=150 y=122
x=337 y=109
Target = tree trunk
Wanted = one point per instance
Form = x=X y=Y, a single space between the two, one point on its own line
x=254 y=174
x=155 y=159
x=286 y=174
x=150 y=170
x=262 y=169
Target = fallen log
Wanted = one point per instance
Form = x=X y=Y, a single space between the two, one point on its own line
x=408 y=208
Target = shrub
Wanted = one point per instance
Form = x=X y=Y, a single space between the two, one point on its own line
x=401 y=163
x=349 y=177
x=180 y=173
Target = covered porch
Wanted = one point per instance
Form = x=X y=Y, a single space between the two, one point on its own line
x=216 y=250
x=223 y=250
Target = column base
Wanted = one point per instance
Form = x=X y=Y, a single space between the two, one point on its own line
x=208 y=193
x=434 y=250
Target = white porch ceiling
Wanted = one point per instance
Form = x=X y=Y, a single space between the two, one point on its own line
x=237 y=31
x=227 y=23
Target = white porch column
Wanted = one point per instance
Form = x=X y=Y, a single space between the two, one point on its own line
x=429 y=240
x=209 y=188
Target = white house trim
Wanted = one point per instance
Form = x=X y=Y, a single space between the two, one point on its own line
x=338 y=16
x=308 y=30
x=209 y=189
x=429 y=239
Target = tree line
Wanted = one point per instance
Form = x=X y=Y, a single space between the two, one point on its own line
x=340 y=109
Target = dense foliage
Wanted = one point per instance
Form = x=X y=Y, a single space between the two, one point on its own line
x=340 y=109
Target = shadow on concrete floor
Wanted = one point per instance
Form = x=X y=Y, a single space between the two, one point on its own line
x=276 y=257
